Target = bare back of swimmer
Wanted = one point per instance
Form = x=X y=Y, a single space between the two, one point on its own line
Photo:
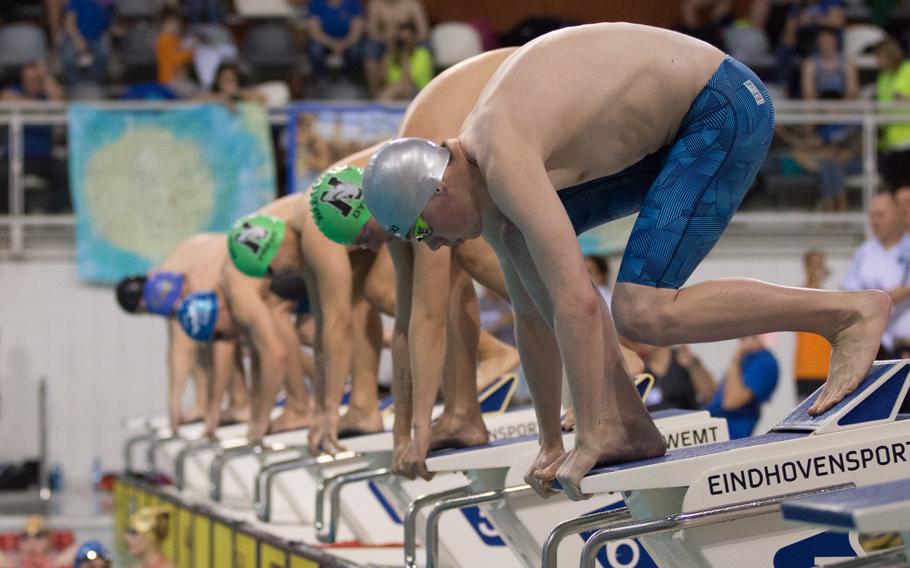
x=580 y=127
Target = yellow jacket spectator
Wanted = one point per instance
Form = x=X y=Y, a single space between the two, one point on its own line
x=894 y=85
x=409 y=67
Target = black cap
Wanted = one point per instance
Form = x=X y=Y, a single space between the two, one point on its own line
x=129 y=292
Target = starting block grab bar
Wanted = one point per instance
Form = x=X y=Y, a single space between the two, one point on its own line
x=647 y=527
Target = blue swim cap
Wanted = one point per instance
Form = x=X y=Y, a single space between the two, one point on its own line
x=161 y=292
x=91 y=550
x=198 y=314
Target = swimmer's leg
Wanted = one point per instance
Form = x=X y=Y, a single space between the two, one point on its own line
x=461 y=423
x=853 y=322
x=363 y=416
x=239 y=405
x=296 y=413
x=707 y=173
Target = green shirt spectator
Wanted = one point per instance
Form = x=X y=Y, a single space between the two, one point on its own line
x=408 y=67
x=421 y=65
x=891 y=86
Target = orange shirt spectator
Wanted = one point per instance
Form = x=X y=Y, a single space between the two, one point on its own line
x=173 y=58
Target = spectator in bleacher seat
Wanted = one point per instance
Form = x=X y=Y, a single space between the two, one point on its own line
x=813 y=352
x=706 y=19
x=205 y=11
x=383 y=20
x=408 y=66
x=828 y=75
x=749 y=382
x=883 y=263
x=37 y=84
x=902 y=196
x=335 y=29
x=228 y=89
x=797 y=40
x=85 y=41
x=680 y=379
x=174 y=53
x=893 y=84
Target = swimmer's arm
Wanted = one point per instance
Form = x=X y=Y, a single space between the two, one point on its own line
x=181 y=356
x=254 y=314
x=223 y=353
x=523 y=192
x=402 y=388
x=539 y=354
x=330 y=275
x=427 y=331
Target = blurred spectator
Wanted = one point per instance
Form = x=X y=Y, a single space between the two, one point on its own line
x=680 y=378
x=883 y=263
x=37 y=84
x=384 y=17
x=749 y=382
x=174 y=54
x=85 y=41
x=205 y=11
x=92 y=554
x=599 y=271
x=805 y=19
x=335 y=30
x=228 y=88
x=496 y=316
x=893 y=84
x=35 y=549
x=902 y=196
x=828 y=75
x=706 y=19
x=148 y=527
x=813 y=352
x=408 y=66
x=208 y=54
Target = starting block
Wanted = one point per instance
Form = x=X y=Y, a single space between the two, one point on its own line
x=677 y=501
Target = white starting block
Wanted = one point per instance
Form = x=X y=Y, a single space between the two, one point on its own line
x=882 y=508
x=719 y=504
x=508 y=517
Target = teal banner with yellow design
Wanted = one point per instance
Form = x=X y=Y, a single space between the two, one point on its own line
x=144 y=180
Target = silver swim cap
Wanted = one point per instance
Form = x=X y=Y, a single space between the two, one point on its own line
x=400 y=180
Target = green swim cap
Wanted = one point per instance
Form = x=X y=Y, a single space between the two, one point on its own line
x=254 y=241
x=336 y=201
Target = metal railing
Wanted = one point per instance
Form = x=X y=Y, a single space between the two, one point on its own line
x=22 y=233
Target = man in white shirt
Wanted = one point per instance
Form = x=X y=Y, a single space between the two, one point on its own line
x=883 y=263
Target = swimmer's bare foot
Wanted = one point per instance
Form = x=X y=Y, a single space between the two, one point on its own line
x=568 y=420
x=614 y=441
x=191 y=417
x=236 y=414
x=495 y=364
x=359 y=421
x=854 y=344
x=289 y=420
x=456 y=432
x=543 y=469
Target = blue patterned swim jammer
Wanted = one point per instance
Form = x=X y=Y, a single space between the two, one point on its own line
x=687 y=192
